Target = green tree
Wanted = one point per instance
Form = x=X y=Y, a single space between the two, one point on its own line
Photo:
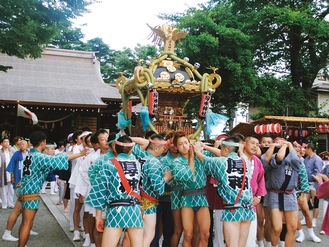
x=290 y=37
x=266 y=51
x=213 y=42
x=26 y=26
x=68 y=38
x=127 y=59
x=104 y=55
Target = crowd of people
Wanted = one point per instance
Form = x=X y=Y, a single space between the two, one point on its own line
x=164 y=189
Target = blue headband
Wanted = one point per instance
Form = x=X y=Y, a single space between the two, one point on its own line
x=115 y=139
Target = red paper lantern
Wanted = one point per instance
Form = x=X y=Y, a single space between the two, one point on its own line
x=257 y=129
x=319 y=128
x=264 y=128
x=304 y=133
x=277 y=128
x=325 y=128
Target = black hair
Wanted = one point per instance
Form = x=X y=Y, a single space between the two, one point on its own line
x=76 y=135
x=65 y=142
x=252 y=136
x=121 y=149
x=239 y=137
x=170 y=135
x=60 y=143
x=178 y=135
x=97 y=133
x=16 y=138
x=86 y=138
x=4 y=138
x=37 y=137
x=149 y=133
x=112 y=136
x=154 y=137
x=311 y=146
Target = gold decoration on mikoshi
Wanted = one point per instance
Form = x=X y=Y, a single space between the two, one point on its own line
x=174 y=79
x=167 y=34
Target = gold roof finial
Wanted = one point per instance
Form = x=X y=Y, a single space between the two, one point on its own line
x=166 y=33
x=214 y=69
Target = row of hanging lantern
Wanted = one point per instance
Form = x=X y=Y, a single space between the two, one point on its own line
x=268 y=128
x=297 y=132
x=322 y=128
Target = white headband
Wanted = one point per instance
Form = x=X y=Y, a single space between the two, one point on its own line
x=231 y=144
x=84 y=134
x=51 y=145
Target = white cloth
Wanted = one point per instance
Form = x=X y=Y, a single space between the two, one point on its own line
x=61 y=190
x=83 y=185
x=218 y=229
x=251 y=241
x=325 y=205
x=76 y=163
x=7 y=156
x=7 y=195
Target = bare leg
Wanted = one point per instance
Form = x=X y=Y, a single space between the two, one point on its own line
x=76 y=214
x=26 y=225
x=136 y=236
x=260 y=221
x=187 y=220
x=244 y=232
x=111 y=237
x=178 y=227
x=14 y=215
x=97 y=235
x=268 y=224
x=276 y=218
x=291 y=223
x=203 y=219
x=196 y=234
x=302 y=203
x=86 y=222
x=126 y=240
x=149 y=229
x=91 y=223
x=65 y=201
x=231 y=233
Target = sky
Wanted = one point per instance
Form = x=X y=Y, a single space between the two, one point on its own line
x=122 y=23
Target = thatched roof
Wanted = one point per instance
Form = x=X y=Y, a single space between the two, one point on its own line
x=247 y=129
x=291 y=120
x=60 y=77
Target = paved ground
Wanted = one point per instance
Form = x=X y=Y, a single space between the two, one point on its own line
x=53 y=227
x=51 y=224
